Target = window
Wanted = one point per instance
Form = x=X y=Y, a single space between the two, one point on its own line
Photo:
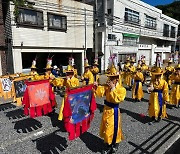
x=131 y=16
x=111 y=37
x=150 y=22
x=57 y=22
x=28 y=17
x=173 y=33
x=166 y=30
x=130 y=41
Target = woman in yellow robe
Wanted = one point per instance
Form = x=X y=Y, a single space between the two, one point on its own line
x=159 y=96
x=70 y=82
x=87 y=77
x=110 y=128
x=175 y=92
x=137 y=91
x=95 y=71
x=168 y=71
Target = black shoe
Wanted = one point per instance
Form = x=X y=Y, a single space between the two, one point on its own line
x=108 y=150
x=115 y=148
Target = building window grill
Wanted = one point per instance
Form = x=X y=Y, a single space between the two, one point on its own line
x=166 y=30
x=131 y=16
x=173 y=32
x=150 y=22
x=111 y=37
x=30 y=17
x=57 y=22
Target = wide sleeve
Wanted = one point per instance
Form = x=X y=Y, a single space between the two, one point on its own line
x=165 y=92
x=100 y=91
x=91 y=78
x=118 y=94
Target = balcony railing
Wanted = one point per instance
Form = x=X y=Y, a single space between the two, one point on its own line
x=151 y=26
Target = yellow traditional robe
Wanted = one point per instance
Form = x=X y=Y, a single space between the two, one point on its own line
x=129 y=75
x=175 y=92
x=89 y=76
x=154 y=107
x=138 y=77
x=170 y=69
x=68 y=83
x=95 y=71
x=125 y=70
x=115 y=96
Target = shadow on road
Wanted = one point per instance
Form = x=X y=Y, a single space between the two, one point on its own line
x=57 y=123
x=15 y=114
x=137 y=116
x=27 y=125
x=154 y=142
x=94 y=143
x=51 y=143
x=4 y=107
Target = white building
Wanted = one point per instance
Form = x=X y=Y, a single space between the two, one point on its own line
x=50 y=28
x=132 y=27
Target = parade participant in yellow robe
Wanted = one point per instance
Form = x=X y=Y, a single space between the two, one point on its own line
x=95 y=70
x=33 y=72
x=71 y=66
x=111 y=128
x=159 y=96
x=168 y=71
x=87 y=77
x=145 y=70
x=129 y=74
x=137 y=91
x=69 y=82
x=175 y=92
x=125 y=68
x=48 y=74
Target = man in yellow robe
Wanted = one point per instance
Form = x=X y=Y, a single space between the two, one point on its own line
x=137 y=91
x=110 y=128
x=129 y=75
x=145 y=70
x=175 y=92
x=169 y=69
x=70 y=82
x=95 y=70
x=87 y=77
x=159 y=96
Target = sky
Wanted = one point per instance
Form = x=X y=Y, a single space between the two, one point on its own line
x=158 y=2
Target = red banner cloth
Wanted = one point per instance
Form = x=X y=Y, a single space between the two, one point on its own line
x=77 y=102
x=38 y=99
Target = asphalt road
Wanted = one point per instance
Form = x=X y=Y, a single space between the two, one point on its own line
x=22 y=135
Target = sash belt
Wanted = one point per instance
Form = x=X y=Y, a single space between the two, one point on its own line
x=87 y=81
x=160 y=99
x=178 y=83
x=116 y=109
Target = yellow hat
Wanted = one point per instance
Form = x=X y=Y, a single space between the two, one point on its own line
x=177 y=67
x=33 y=66
x=128 y=59
x=70 y=69
x=95 y=61
x=138 y=67
x=143 y=61
x=113 y=71
x=157 y=71
x=49 y=63
x=86 y=64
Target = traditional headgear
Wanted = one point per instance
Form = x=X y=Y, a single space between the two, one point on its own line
x=177 y=67
x=112 y=67
x=157 y=71
x=127 y=58
x=86 y=64
x=138 y=67
x=49 y=63
x=96 y=62
x=71 y=61
x=33 y=66
x=133 y=60
x=69 y=70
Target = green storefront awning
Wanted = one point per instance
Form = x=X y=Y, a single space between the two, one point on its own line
x=130 y=35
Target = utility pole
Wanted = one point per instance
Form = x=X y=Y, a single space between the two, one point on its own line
x=95 y=30
x=105 y=35
x=85 y=29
